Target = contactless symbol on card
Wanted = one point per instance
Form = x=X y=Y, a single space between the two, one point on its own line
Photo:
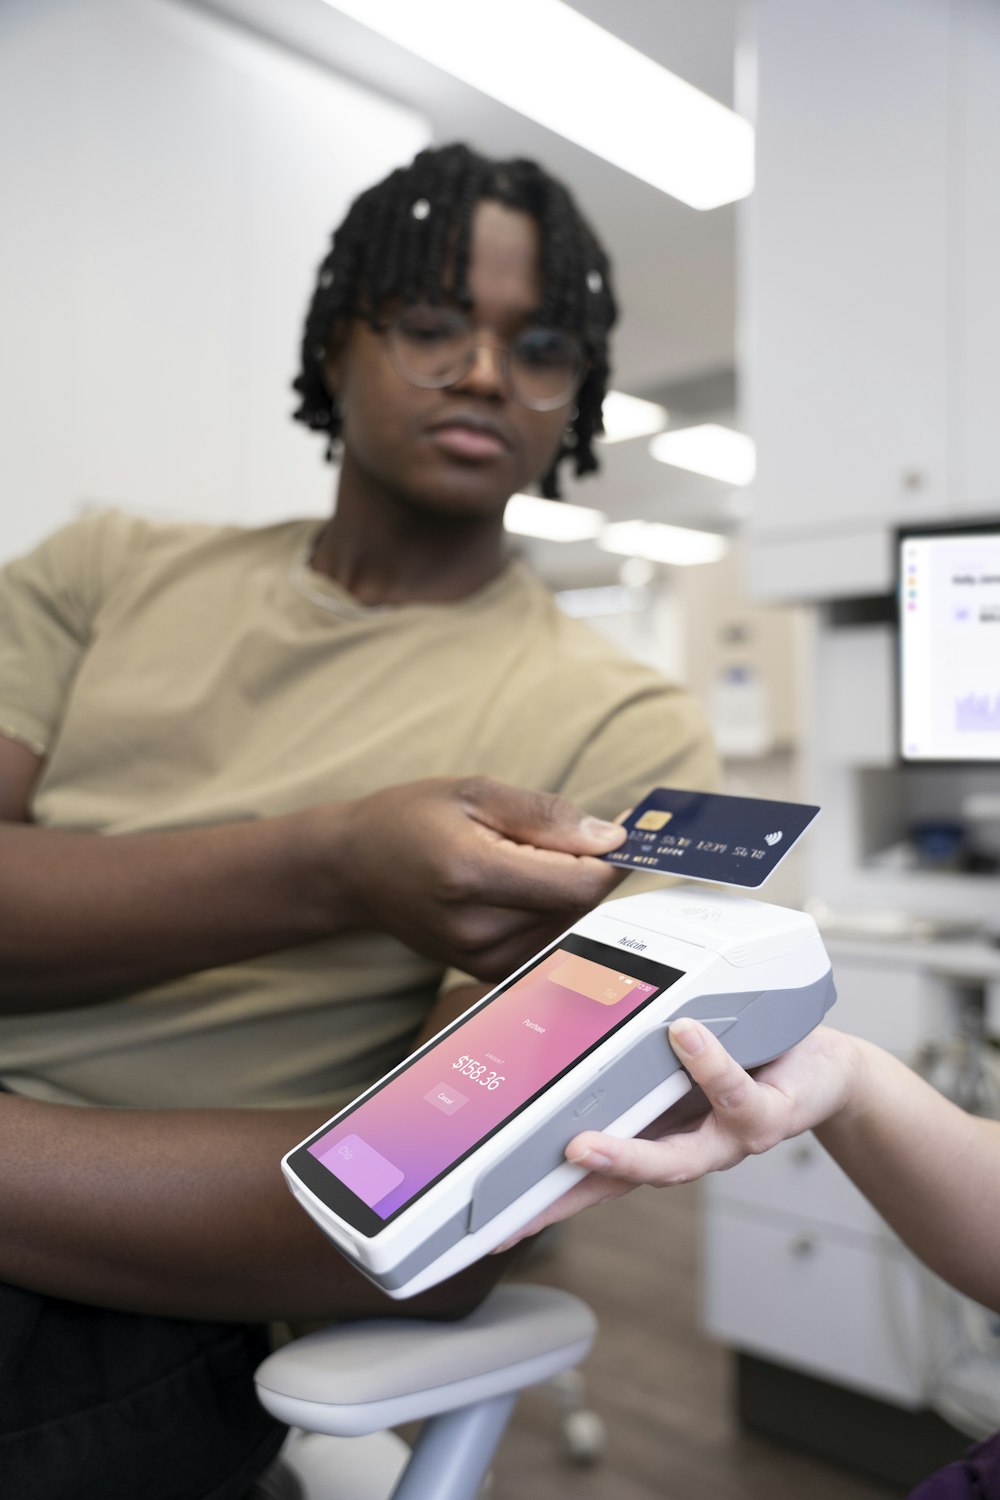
x=708 y=836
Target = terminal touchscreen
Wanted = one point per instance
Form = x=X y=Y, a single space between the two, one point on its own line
x=478 y=1075
x=463 y=1143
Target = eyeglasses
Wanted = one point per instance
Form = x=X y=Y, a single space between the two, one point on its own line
x=435 y=347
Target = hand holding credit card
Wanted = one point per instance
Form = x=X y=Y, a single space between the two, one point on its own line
x=707 y=836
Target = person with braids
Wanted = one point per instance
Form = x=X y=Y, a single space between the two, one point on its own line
x=274 y=804
x=424 y=217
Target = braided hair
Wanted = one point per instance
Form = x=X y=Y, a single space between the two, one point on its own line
x=408 y=238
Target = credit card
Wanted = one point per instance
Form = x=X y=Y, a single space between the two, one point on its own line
x=707 y=836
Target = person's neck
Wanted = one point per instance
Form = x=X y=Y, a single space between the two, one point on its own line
x=384 y=551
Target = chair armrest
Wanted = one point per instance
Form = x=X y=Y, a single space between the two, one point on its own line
x=356 y=1378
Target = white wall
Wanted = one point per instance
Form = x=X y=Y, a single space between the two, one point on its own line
x=168 y=184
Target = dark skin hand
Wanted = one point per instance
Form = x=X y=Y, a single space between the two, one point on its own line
x=465 y=870
x=517 y=870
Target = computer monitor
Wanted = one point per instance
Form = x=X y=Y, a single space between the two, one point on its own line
x=949 y=641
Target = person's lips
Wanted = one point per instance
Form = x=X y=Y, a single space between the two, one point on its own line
x=468 y=435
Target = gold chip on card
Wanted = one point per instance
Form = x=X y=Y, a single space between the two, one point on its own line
x=653 y=821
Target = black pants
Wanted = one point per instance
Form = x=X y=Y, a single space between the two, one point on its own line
x=100 y=1405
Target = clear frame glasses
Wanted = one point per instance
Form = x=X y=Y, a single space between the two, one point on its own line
x=435 y=347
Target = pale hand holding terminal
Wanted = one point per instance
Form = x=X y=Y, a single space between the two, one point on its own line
x=739 y=1115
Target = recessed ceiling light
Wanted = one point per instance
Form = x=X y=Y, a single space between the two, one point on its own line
x=544 y=59
x=717 y=452
x=552 y=520
x=637 y=572
x=628 y=417
x=680 y=545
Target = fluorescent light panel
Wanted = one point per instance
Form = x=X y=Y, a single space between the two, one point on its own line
x=680 y=545
x=611 y=599
x=544 y=59
x=717 y=452
x=552 y=520
x=627 y=417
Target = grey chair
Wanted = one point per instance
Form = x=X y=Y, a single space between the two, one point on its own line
x=352 y=1382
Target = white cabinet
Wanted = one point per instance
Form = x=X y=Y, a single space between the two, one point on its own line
x=871 y=302
x=818 y=1300
x=977 y=217
x=847 y=377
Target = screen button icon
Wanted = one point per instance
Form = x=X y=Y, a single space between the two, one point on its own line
x=360 y=1167
x=594 y=981
x=445 y=1098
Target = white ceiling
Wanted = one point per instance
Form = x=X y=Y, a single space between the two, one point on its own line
x=675 y=266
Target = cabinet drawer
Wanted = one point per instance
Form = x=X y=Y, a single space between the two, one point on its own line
x=846 y=1308
x=797 y=1179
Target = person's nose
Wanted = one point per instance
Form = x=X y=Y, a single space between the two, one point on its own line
x=486 y=374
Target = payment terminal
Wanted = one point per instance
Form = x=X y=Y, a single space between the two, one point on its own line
x=462 y=1144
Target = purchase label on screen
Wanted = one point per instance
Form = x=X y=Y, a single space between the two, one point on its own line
x=707 y=836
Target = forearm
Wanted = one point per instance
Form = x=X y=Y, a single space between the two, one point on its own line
x=179 y=1213
x=85 y=917
x=930 y=1169
x=463 y=870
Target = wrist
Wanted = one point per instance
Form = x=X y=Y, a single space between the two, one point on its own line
x=850 y=1056
x=320 y=869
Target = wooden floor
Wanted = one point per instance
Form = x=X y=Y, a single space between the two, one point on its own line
x=660 y=1386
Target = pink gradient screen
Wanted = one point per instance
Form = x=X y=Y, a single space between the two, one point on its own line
x=480 y=1074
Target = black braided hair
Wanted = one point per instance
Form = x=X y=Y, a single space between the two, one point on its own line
x=384 y=251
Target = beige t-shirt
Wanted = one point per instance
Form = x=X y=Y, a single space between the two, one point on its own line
x=177 y=675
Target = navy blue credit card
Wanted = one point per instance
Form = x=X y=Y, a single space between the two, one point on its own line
x=706 y=836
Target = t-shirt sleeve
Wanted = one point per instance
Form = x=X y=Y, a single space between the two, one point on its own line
x=49 y=602
x=658 y=737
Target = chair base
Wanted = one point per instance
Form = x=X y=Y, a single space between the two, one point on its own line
x=332 y=1468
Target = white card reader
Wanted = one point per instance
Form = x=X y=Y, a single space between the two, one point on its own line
x=462 y=1144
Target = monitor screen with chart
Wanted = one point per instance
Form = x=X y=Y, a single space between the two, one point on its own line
x=949 y=638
